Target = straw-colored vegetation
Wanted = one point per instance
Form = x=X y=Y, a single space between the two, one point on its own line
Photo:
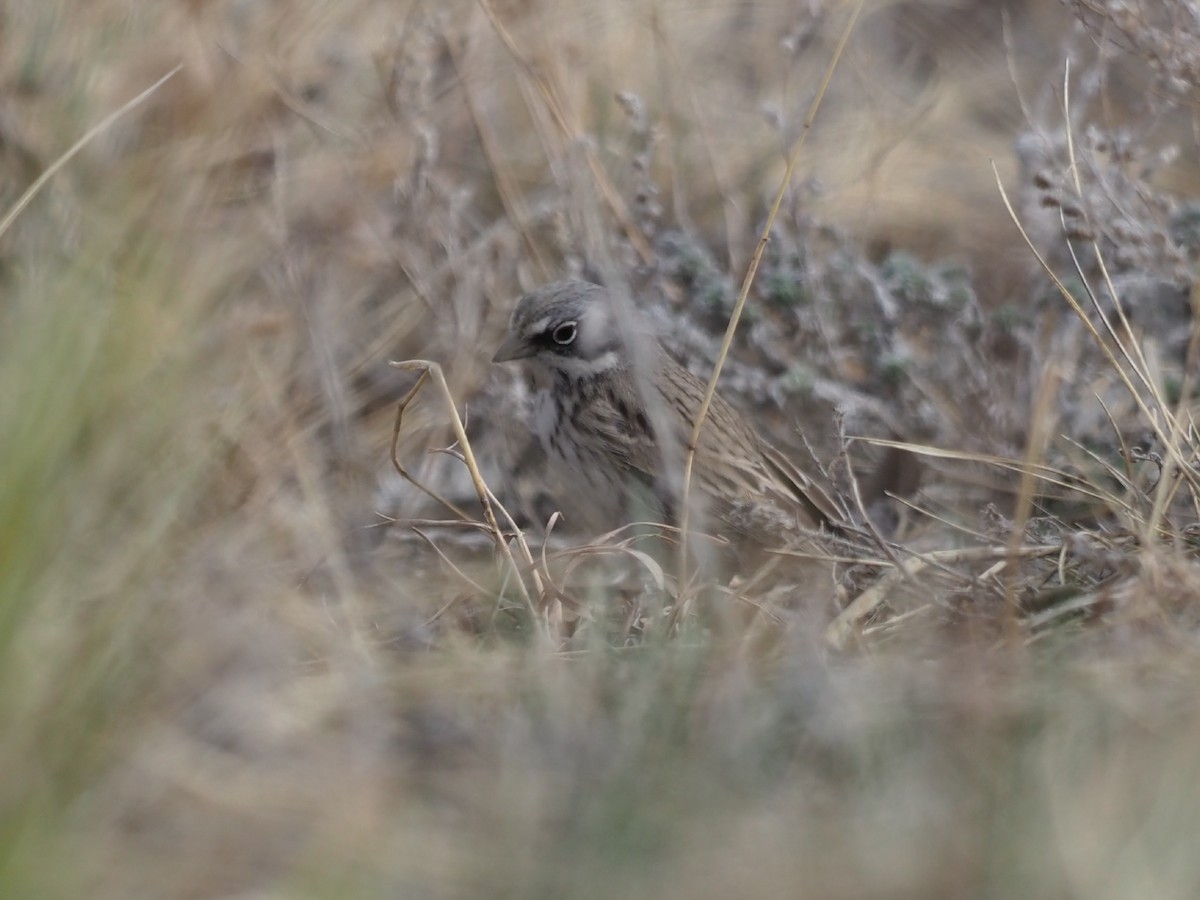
x=240 y=656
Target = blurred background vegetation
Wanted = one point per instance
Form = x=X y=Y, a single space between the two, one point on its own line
x=220 y=676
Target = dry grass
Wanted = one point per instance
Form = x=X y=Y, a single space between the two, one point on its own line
x=221 y=675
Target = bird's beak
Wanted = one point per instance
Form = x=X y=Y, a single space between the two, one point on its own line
x=516 y=347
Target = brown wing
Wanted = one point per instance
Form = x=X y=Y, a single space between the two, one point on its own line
x=803 y=489
x=733 y=463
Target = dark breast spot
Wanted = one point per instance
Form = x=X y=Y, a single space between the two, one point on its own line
x=622 y=410
x=631 y=420
x=641 y=423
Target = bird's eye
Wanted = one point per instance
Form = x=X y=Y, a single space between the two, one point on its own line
x=564 y=334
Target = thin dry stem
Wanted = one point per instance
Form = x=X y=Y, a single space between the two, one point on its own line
x=91 y=134
x=481 y=489
x=506 y=186
x=569 y=129
x=1168 y=438
x=404 y=403
x=1044 y=473
x=842 y=629
x=743 y=295
x=1133 y=349
x=475 y=585
x=879 y=539
x=1035 y=449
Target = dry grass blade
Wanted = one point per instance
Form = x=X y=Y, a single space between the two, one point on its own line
x=743 y=295
x=1075 y=604
x=1046 y=474
x=553 y=103
x=486 y=498
x=507 y=184
x=1130 y=348
x=840 y=631
x=91 y=134
x=555 y=517
x=403 y=472
x=457 y=570
x=1124 y=479
x=868 y=522
x=577 y=555
x=1035 y=449
x=1169 y=436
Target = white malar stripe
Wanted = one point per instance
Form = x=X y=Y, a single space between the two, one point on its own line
x=545 y=417
x=583 y=368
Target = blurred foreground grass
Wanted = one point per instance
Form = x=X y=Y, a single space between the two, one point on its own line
x=98 y=355
x=213 y=683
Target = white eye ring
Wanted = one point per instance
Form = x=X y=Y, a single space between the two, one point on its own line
x=564 y=334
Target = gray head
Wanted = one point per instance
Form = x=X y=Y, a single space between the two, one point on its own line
x=567 y=326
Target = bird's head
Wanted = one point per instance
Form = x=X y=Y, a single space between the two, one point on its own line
x=567 y=326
